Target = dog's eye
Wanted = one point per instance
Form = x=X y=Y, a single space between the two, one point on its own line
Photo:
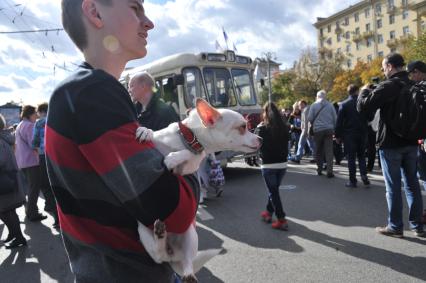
x=242 y=129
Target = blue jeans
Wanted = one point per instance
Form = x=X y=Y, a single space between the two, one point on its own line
x=396 y=162
x=304 y=138
x=273 y=178
x=422 y=165
x=355 y=148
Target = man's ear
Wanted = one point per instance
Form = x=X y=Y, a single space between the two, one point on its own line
x=91 y=12
x=207 y=113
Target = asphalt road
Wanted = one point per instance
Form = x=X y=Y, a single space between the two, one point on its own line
x=331 y=237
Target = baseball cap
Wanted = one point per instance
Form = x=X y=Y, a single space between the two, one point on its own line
x=419 y=65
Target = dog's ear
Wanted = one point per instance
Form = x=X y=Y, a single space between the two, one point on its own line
x=207 y=113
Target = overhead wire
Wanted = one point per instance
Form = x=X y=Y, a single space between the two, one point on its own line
x=47 y=48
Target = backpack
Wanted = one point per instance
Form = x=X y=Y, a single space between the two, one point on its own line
x=408 y=118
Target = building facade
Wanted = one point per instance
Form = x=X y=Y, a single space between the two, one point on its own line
x=370 y=29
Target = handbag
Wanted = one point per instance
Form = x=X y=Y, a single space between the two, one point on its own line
x=216 y=177
x=311 y=125
x=8 y=181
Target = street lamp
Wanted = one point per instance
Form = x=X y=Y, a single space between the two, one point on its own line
x=269 y=56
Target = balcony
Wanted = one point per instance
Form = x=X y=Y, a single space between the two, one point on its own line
x=356 y=37
x=324 y=50
x=405 y=38
x=392 y=43
x=391 y=9
x=366 y=35
x=338 y=30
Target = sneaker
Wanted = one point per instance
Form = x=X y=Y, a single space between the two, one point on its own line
x=219 y=192
x=389 y=232
x=319 y=173
x=365 y=180
x=350 y=185
x=16 y=243
x=266 y=216
x=330 y=175
x=37 y=217
x=419 y=233
x=280 y=224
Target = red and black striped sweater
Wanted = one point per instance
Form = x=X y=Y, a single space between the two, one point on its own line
x=105 y=181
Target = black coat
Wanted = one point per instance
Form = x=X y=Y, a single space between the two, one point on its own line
x=383 y=98
x=349 y=121
x=158 y=115
x=274 y=149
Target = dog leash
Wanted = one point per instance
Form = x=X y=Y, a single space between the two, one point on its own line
x=189 y=139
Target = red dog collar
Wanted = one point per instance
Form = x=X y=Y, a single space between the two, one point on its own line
x=190 y=139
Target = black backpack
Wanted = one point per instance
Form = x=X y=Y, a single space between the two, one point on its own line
x=408 y=118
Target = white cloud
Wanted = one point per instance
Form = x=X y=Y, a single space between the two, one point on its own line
x=27 y=61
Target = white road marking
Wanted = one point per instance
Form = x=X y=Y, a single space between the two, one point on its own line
x=203 y=214
x=287 y=187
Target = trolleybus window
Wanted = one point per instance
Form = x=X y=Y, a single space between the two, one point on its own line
x=219 y=87
x=243 y=87
x=193 y=86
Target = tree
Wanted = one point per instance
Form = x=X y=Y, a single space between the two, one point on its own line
x=308 y=74
x=314 y=73
x=415 y=49
x=282 y=88
x=372 y=70
x=344 y=79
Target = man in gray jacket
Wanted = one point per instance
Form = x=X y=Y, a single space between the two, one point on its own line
x=323 y=118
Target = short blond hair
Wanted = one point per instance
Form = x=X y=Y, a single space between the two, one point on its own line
x=144 y=78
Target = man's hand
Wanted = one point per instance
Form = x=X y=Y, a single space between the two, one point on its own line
x=144 y=134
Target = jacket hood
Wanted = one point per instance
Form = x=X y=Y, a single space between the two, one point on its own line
x=7 y=136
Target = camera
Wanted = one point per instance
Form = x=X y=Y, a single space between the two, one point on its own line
x=376 y=81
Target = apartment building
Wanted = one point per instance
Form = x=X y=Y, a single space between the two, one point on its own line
x=370 y=29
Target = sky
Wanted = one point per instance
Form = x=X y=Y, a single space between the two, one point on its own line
x=32 y=64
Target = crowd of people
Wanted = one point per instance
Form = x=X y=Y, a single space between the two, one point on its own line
x=356 y=128
x=23 y=160
x=99 y=181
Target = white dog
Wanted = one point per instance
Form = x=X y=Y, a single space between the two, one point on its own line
x=184 y=145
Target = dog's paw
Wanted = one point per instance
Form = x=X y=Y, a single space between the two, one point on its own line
x=189 y=279
x=173 y=159
x=159 y=229
x=144 y=134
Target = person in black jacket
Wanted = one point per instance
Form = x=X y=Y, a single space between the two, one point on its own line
x=152 y=112
x=398 y=155
x=351 y=128
x=274 y=151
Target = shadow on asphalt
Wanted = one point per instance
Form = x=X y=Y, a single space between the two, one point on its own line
x=236 y=215
x=412 y=266
x=44 y=252
x=207 y=240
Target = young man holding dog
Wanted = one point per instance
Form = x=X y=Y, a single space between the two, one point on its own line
x=104 y=180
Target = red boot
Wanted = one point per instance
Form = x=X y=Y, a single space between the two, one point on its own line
x=266 y=216
x=280 y=224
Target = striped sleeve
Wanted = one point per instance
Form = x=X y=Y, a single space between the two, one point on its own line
x=134 y=172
